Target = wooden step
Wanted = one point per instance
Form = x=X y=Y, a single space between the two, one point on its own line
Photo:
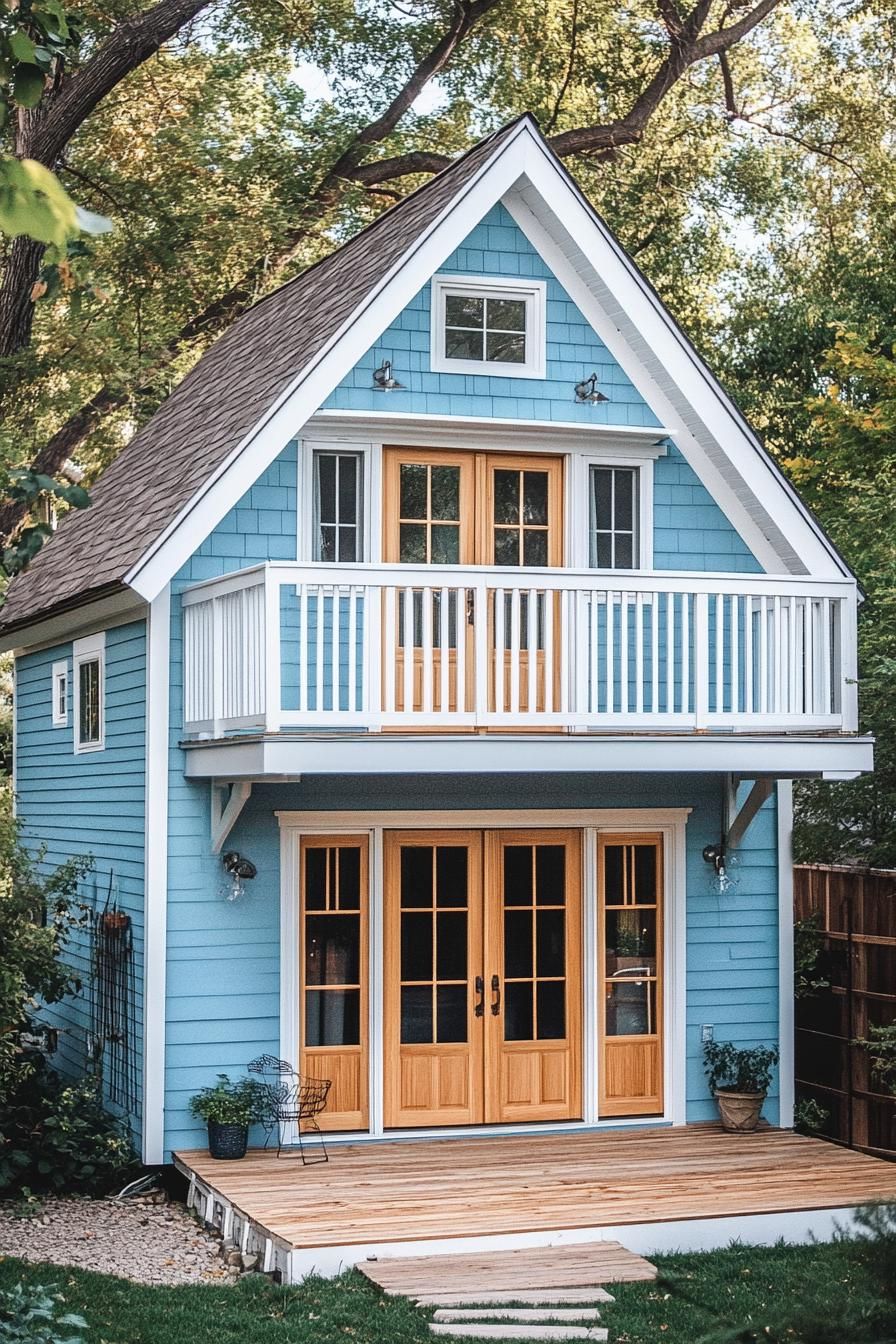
x=545 y=1297
x=523 y=1314
x=527 y=1332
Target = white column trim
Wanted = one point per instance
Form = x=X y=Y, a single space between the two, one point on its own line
x=786 y=1064
x=155 y=875
x=376 y=1104
x=290 y=1007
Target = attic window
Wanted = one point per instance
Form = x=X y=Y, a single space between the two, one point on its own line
x=488 y=326
x=89 y=661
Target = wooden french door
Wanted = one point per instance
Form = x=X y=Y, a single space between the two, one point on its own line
x=630 y=920
x=464 y=508
x=482 y=967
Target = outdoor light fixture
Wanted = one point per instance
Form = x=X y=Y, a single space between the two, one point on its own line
x=239 y=870
x=722 y=863
x=587 y=393
x=383 y=380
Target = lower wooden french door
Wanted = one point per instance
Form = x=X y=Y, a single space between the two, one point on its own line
x=482 y=977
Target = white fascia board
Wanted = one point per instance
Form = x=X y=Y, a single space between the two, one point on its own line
x=404 y=427
x=640 y=307
x=315 y=382
x=103 y=614
x=285 y=758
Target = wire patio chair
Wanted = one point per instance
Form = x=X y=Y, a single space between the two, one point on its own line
x=292 y=1098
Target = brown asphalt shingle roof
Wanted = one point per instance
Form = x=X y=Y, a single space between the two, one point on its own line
x=215 y=406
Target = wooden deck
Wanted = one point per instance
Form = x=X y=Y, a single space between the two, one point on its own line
x=411 y=1197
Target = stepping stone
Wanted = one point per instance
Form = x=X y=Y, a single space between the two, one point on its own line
x=523 y=1314
x=543 y=1297
x=522 y=1332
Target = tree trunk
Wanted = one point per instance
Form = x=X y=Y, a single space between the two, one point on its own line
x=16 y=303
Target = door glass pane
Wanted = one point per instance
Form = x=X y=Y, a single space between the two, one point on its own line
x=645 y=874
x=332 y=949
x=550 y=874
x=517 y=944
x=535 y=548
x=416 y=1015
x=413 y=490
x=550 y=1006
x=332 y=1017
x=507 y=546
x=630 y=941
x=451 y=875
x=451 y=945
x=445 y=492
x=518 y=875
x=451 y=1013
x=631 y=1007
x=613 y=874
x=519 y=1019
x=416 y=946
x=412 y=543
x=507 y=496
x=315 y=879
x=445 y=545
x=349 y=878
x=535 y=498
x=416 y=876
x=551 y=942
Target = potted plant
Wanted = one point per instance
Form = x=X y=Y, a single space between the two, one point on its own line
x=739 y=1081
x=229 y=1109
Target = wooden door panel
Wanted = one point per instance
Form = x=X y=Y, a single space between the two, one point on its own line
x=433 y=947
x=632 y=1078
x=534 y=1039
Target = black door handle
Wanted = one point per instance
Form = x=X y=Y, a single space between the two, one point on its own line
x=496 y=996
x=480 y=1002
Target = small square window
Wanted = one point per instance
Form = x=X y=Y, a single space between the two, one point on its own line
x=89 y=693
x=337 y=507
x=615 y=510
x=488 y=326
x=60 y=695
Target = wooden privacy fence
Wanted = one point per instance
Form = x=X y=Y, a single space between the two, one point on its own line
x=856 y=909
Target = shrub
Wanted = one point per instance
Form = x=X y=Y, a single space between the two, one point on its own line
x=230 y=1103
x=34 y=1314
x=809 y=1116
x=881 y=1046
x=731 y=1070
x=56 y=1136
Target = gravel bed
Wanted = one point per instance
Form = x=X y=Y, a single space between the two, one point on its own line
x=146 y=1239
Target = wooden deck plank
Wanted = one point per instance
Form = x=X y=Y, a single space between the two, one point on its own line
x=536 y=1269
x=420 y=1189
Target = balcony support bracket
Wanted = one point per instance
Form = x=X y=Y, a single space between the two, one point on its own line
x=228 y=801
x=739 y=823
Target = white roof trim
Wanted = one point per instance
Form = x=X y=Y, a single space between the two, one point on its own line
x=761 y=504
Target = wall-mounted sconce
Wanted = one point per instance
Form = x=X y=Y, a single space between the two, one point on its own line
x=723 y=880
x=587 y=393
x=239 y=870
x=383 y=380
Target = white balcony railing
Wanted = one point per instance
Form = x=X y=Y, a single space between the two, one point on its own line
x=284 y=646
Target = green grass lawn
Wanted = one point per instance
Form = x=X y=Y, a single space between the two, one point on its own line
x=743 y=1287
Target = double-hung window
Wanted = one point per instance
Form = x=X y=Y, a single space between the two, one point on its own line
x=89 y=662
x=338 y=485
x=488 y=326
x=60 y=695
x=615 y=512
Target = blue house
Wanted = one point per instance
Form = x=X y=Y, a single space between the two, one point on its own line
x=451 y=591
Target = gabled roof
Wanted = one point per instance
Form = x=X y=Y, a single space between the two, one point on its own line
x=260 y=381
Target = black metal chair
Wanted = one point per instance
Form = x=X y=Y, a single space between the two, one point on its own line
x=292 y=1098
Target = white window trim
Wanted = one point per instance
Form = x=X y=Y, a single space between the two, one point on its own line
x=369 y=520
x=89 y=650
x=535 y=294
x=60 y=674
x=579 y=507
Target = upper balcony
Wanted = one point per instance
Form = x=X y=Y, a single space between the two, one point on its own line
x=364 y=648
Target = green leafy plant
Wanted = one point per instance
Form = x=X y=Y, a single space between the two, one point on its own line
x=27 y=488
x=35 y=1314
x=227 y=1103
x=729 y=1069
x=57 y=1136
x=808 y=938
x=809 y=1116
x=881 y=1046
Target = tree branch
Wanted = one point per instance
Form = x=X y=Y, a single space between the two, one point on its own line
x=400 y=165
x=561 y=94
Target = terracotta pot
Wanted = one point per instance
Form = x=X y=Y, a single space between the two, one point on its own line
x=740 y=1111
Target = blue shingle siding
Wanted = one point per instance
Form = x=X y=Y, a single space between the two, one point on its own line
x=91 y=803
x=690 y=531
x=496 y=247
x=221 y=991
x=224 y=968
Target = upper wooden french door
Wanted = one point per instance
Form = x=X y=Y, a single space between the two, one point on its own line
x=482 y=972
x=462 y=508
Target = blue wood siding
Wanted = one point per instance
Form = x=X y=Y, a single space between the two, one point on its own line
x=224 y=968
x=92 y=803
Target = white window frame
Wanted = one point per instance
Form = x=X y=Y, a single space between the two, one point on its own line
x=369 y=517
x=580 y=505
x=91 y=649
x=534 y=292
x=59 y=684
x=337 y=451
